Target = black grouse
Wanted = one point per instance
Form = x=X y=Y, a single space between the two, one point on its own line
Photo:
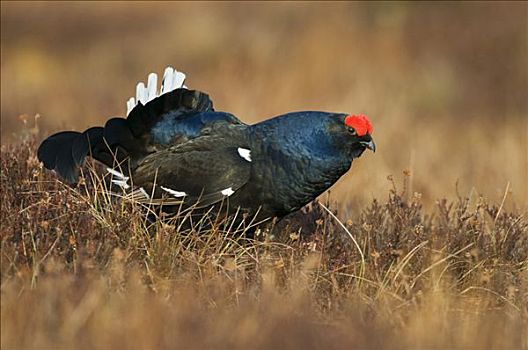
x=175 y=150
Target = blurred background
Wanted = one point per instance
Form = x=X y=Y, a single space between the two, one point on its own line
x=444 y=84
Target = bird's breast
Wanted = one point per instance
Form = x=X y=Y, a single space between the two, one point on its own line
x=287 y=179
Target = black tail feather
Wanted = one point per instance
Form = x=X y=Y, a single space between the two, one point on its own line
x=88 y=143
x=56 y=154
x=65 y=152
x=120 y=140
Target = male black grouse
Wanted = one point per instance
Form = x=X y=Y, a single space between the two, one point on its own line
x=175 y=150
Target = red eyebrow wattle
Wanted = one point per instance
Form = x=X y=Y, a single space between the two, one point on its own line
x=360 y=123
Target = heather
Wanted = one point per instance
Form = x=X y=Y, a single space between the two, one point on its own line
x=81 y=269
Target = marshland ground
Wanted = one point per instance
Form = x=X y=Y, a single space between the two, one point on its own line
x=428 y=248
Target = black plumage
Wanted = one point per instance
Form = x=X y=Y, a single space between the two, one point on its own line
x=176 y=150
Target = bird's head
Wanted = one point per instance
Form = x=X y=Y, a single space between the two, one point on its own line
x=352 y=134
x=320 y=134
x=360 y=131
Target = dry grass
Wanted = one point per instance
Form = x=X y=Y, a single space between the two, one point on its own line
x=390 y=267
x=81 y=271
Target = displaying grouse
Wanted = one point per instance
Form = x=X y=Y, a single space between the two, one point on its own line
x=175 y=150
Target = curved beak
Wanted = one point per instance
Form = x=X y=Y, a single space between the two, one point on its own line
x=370 y=145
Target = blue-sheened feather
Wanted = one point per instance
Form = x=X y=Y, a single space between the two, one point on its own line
x=189 y=125
x=300 y=133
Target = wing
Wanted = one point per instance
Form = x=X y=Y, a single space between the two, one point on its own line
x=166 y=121
x=200 y=172
x=172 y=117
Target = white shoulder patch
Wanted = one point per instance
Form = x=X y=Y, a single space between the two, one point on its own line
x=176 y=194
x=245 y=153
x=228 y=191
x=172 y=80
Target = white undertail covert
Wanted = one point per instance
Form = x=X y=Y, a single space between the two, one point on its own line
x=172 y=80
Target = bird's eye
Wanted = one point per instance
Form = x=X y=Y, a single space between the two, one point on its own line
x=352 y=131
